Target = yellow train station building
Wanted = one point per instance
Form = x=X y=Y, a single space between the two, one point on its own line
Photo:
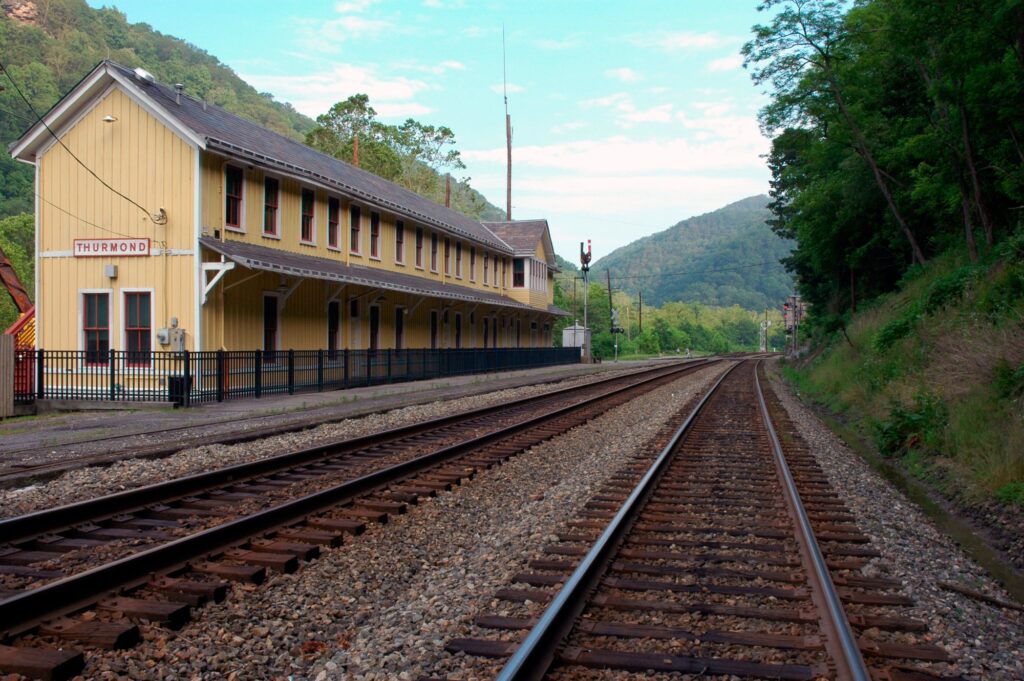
x=165 y=223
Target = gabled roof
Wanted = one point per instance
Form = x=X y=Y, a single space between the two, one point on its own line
x=524 y=235
x=212 y=128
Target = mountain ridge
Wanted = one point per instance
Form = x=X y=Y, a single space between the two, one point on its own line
x=724 y=257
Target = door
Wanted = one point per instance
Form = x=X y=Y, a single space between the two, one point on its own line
x=374 y=327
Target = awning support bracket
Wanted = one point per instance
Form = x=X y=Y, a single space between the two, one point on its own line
x=221 y=268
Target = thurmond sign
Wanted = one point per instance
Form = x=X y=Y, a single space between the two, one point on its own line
x=85 y=248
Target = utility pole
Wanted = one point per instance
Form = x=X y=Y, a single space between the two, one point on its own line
x=641 y=311
x=508 y=131
x=585 y=257
x=609 y=273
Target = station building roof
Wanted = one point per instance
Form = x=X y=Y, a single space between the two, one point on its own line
x=524 y=235
x=212 y=128
x=252 y=256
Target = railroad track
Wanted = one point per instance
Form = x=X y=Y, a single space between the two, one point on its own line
x=155 y=552
x=721 y=555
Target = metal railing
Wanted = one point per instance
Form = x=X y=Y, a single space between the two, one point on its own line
x=186 y=378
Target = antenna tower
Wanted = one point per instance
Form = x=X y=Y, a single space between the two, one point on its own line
x=508 y=131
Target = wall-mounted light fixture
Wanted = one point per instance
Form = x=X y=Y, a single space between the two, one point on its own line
x=110 y=119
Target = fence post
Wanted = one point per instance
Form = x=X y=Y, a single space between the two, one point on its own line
x=112 y=374
x=221 y=378
x=320 y=370
x=258 y=374
x=40 y=374
x=344 y=383
x=186 y=397
x=291 y=371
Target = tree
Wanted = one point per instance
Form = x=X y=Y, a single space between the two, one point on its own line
x=337 y=130
x=799 y=54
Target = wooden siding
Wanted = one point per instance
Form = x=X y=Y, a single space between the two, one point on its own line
x=144 y=160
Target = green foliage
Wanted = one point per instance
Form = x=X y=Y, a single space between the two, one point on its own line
x=18 y=242
x=1011 y=493
x=69 y=38
x=896 y=329
x=723 y=258
x=912 y=428
x=894 y=141
x=1009 y=381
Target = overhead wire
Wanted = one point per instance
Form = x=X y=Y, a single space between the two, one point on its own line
x=159 y=217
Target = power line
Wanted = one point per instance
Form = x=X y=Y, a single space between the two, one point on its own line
x=81 y=219
x=158 y=218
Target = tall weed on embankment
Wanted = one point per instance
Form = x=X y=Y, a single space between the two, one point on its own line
x=934 y=373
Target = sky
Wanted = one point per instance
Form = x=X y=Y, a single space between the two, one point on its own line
x=627 y=116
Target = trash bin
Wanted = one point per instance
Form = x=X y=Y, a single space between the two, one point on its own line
x=178 y=388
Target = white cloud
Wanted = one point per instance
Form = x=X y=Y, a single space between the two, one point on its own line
x=444 y=4
x=510 y=88
x=315 y=93
x=453 y=65
x=730 y=63
x=563 y=128
x=436 y=69
x=627 y=112
x=677 y=41
x=625 y=74
x=351 y=6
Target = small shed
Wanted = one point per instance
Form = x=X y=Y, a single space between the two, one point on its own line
x=575 y=336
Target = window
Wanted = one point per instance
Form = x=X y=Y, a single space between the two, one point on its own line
x=333 y=214
x=271 y=196
x=472 y=263
x=354 y=332
x=333 y=327
x=399 y=242
x=458 y=259
x=96 y=327
x=486 y=265
x=233 y=181
x=494 y=270
x=504 y=272
x=374 y=235
x=399 y=328
x=269 y=329
x=419 y=247
x=433 y=252
x=137 y=328
x=447 y=256
x=354 y=218
x=518 y=273
x=308 y=203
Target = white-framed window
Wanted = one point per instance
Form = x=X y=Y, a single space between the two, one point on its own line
x=519 y=273
x=399 y=242
x=354 y=326
x=271 y=207
x=234 y=198
x=307 y=217
x=333 y=223
x=375 y=235
x=458 y=259
x=355 y=219
x=94 y=321
x=472 y=263
x=137 y=326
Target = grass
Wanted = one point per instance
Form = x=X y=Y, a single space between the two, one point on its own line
x=934 y=373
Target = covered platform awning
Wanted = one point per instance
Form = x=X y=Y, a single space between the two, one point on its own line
x=256 y=257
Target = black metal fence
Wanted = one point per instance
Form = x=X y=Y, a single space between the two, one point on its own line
x=186 y=378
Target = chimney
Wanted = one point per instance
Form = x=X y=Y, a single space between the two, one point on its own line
x=178 y=88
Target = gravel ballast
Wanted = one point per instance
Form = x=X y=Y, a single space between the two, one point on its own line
x=88 y=483
x=986 y=643
x=383 y=606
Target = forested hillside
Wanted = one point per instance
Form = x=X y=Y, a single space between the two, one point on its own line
x=723 y=258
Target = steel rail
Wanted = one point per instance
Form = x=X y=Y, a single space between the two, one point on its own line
x=534 y=657
x=22 y=611
x=20 y=528
x=839 y=638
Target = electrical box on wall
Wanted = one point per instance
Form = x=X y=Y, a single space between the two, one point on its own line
x=110 y=271
x=177 y=340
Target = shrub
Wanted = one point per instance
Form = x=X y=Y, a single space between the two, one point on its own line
x=895 y=330
x=1009 y=382
x=947 y=289
x=1012 y=493
x=916 y=427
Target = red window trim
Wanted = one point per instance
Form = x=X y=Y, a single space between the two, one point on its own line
x=355 y=219
x=141 y=331
x=374 y=235
x=105 y=359
x=419 y=247
x=399 y=242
